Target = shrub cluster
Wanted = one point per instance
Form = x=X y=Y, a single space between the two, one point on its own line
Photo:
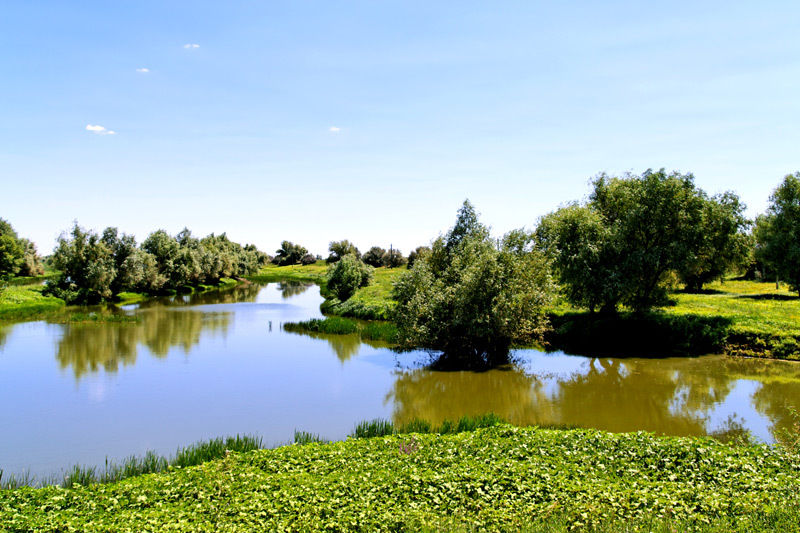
x=95 y=267
x=18 y=256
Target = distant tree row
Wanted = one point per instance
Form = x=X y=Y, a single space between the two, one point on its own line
x=18 y=256
x=94 y=267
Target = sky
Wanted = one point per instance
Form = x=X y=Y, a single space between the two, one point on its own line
x=316 y=121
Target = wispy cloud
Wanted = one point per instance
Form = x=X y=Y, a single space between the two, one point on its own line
x=334 y=129
x=190 y=46
x=99 y=130
x=143 y=70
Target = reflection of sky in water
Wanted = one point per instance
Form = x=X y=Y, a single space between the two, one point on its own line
x=738 y=404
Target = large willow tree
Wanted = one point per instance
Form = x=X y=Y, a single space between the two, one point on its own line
x=473 y=297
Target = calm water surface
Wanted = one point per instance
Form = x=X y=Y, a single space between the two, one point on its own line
x=203 y=366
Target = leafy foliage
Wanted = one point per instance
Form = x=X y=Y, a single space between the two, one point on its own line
x=339 y=249
x=470 y=299
x=347 y=275
x=393 y=258
x=499 y=478
x=96 y=267
x=778 y=232
x=18 y=256
x=373 y=256
x=418 y=252
x=289 y=254
x=634 y=232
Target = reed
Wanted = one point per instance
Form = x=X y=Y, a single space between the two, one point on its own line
x=305 y=437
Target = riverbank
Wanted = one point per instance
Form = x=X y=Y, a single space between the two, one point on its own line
x=499 y=478
x=23 y=300
x=744 y=318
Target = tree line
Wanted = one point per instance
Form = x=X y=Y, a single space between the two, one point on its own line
x=627 y=245
x=93 y=267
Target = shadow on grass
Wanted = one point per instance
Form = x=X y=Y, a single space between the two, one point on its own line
x=776 y=297
x=628 y=335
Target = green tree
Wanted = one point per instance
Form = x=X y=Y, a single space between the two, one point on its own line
x=418 y=252
x=86 y=267
x=289 y=253
x=721 y=246
x=624 y=243
x=778 y=232
x=339 y=249
x=347 y=275
x=471 y=299
x=11 y=256
x=373 y=256
x=18 y=257
x=393 y=258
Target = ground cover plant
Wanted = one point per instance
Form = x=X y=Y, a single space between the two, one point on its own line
x=499 y=478
x=22 y=302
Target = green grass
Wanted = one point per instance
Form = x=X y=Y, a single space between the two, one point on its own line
x=498 y=478
x=380 y=427
x=315 y=273
x=26 y=302
x=369 y=303
x=374 y=331
x=134 y=466
x=765 y=321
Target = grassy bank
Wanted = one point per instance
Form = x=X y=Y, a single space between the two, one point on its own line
x=315 y=273
x=368 y=303
x=499 y=478
x=735 y=317
x=19 y=302
x=26 y=302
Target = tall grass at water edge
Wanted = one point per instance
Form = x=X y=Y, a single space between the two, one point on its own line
x=218 y=448
x=133 y=466
x=374 y=330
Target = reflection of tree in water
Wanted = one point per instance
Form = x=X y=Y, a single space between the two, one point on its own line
x=4 y=331
x=90 y=347
x=435 y=396
x=779 y=388
x=344 y=346
x=672 y=396
x=240 y=293
x=659 y=395
x=293 y=288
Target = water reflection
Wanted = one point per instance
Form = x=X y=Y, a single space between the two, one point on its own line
x=293 y=288
x=238 y=294
x=87 y=348
x=4 y=331
x=676 y=396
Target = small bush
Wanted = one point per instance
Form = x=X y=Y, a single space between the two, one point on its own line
x=347 y=276
x=308 y=259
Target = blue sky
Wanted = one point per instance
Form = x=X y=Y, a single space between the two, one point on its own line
x=315 y=121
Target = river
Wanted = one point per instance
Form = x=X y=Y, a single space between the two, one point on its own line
x=215 y=364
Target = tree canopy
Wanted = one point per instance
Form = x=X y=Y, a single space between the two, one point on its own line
x=339 y=249
x=18 y=256
x=470 y=298
x=95 y=267
x=778 y=232
x=347 y=275
x=621 y=246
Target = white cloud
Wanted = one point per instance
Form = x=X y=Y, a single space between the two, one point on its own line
x=99 y=130
x=142 y=70
x=191 y=46
x=334 y=129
